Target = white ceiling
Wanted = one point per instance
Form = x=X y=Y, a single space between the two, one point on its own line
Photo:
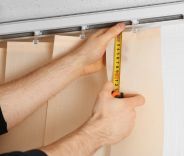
x=11 y=10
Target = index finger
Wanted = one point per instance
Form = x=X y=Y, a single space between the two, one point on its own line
x=113 y=31
x=135 y=101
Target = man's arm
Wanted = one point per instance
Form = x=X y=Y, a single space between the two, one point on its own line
x=20 y=98
x=112 y=121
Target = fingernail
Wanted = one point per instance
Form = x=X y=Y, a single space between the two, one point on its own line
x=121 y=25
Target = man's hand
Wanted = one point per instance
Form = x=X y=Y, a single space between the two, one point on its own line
x=93 y=49
x=113 y=118
x=112 y=121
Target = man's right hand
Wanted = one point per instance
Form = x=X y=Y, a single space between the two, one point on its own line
x=113 y=118
x=112 y=121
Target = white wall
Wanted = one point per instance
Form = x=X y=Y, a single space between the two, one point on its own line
x=23 y=9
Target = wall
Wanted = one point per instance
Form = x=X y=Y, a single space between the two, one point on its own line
x=21 y=9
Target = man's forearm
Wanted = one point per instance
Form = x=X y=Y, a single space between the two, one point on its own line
x=21 y=97
x=83 y=142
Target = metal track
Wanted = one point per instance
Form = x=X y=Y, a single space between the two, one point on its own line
x=131 y=17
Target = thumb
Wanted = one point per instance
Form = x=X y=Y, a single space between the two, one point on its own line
x=135 y=101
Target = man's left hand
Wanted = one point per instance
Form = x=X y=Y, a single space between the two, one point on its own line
x=93 y=49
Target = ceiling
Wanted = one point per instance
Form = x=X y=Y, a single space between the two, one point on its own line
x=12 y=10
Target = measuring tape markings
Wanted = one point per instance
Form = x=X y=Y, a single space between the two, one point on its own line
x=117 y=66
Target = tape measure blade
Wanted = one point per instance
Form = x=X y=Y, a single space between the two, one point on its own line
x=117 y=62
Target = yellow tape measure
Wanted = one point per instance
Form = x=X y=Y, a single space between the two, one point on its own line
x=117 y=66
